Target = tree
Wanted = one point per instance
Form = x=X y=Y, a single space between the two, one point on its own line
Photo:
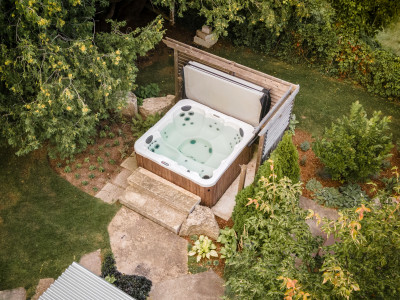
x=59 y=77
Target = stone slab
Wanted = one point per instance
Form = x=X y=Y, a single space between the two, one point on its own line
x=14 y=294
x=324 y=212
x=131 y=108
x=130 y=163
x=110 y=193
x=150 y=206
x=206 y=29
x=144 y=248
x=205 y=36
x=92 y=262
x=206 y=44
x=200 y=221
x=170 y=193
x=160 y=105
x=43 y=285
x=121 y=179
x=224 y=207
x=201 y=286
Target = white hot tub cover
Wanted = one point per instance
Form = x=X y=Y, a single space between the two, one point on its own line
x=225 y=93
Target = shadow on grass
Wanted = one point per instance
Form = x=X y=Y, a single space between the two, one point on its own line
x=45 y=222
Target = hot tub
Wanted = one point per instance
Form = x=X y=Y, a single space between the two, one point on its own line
x=195 y=145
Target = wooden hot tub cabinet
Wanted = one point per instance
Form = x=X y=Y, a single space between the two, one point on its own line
x=209 y=195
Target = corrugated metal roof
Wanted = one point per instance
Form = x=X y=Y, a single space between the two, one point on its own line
x=78 y=283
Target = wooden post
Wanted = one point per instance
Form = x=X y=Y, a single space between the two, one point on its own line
x=242 y=178
x=172 y=14
x=176 y=71
x=259 y=151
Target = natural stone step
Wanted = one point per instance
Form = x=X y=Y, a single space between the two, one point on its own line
x=150 y=206
x=163 y=190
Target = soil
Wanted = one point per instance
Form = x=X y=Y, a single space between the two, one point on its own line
x=100 y=162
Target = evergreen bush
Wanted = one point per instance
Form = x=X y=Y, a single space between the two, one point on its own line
x=355 y=147
x=286 y=159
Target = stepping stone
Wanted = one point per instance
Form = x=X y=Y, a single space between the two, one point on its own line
x=92 y=262
x=43 y=285
x=205 y=285
x=158 y=199
x=14 y=294
x=130 y=163
x=122 y=178
x=110 y=193
x=144 y=248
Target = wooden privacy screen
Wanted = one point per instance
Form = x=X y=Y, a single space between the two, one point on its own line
x=273 y=125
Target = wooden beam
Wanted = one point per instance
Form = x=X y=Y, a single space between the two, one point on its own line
x=176 y=70
x=242 y=178
x=259 y=152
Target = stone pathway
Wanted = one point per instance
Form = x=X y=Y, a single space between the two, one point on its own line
x=142 y=247
x=14 y=294
x=92 y=262
x=324 y=212
x=201 y=286
x=43 y=285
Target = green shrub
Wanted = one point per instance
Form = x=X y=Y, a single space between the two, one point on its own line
x=147 y=91
x=241 y=212
x=228 y=238
x=140 y=125
x=303 y=160
x=355 y=147
x=286 y=159
x=136 y=286
x=67 y=169
x=305 y=146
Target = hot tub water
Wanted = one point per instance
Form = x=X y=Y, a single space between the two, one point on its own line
x=197 y=141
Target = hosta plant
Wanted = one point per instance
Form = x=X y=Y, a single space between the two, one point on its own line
x=203 y=247
x=228 y=237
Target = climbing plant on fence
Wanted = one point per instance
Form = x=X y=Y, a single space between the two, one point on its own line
x=58 y=77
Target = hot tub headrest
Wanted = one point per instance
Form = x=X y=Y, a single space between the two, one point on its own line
x=230 y=95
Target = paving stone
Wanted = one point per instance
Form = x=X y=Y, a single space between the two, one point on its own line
x=92 y=262
x=160 y=105
x=130 y=163
x=201 y=286
x=14 y=294
x=110 y=193
x=206 y=36
x=206 y=29
x=170 y=193
x=122 y=178
x=144 y=248
x=224 y=207
x=201 y=42
x=43 y=285
x=148 y=205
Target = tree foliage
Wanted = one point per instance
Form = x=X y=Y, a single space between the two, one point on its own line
x=355 y=146
x=58 y=77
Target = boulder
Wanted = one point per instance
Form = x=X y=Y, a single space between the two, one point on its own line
x=200 y=221
x=131 y=108
x=152 y=106
x=15 y=294
x=43 y=285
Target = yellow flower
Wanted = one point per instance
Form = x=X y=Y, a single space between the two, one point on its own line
x=107 y=94
x=85 y=109
x=49 y=102
x=116 y=63
x=118 y=52
x=70 y=76
x=42 y=22
x=7 y=62
x=83 y=48
x=69 y=108
x=28 y=106
x=98 y=58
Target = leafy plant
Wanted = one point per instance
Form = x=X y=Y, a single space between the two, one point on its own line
x=303 y=160
x=111 y=135
x=116 y=143
x=140 y=125
x=95 y=189
x=136 y=286
x=85 y=182
x=203 y=248
x=77 y=175
x=100 y=148
x=92 y=167
x=59 y=165
x=101 y=169
x=91 y=176
x=86 y=160
x=228 y=237
x=305 y=146
x=67 y=169
x=146 y=91
x=100 y=160
x=108 y=145
x=91 y=151
x=78 y=166
x=107 y=154
x=102 y=134
x=286 y=158
x=292 y=124
x=110 y=279
x=355 y=146
x=111 y=162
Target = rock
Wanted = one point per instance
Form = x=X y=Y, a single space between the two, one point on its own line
x=152 y=106
x=43 y=285
x=92 y=262
x=131 y=109
x=205 y=36
x=206 y=29
x=14 y=294
x=200 y=221
x=208 y=44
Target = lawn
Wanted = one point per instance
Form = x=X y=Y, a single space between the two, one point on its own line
x=45 y=222
x=322 y=99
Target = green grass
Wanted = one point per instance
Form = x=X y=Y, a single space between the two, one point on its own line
x=321 y=99
x=390 y=38
x=45 y=222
